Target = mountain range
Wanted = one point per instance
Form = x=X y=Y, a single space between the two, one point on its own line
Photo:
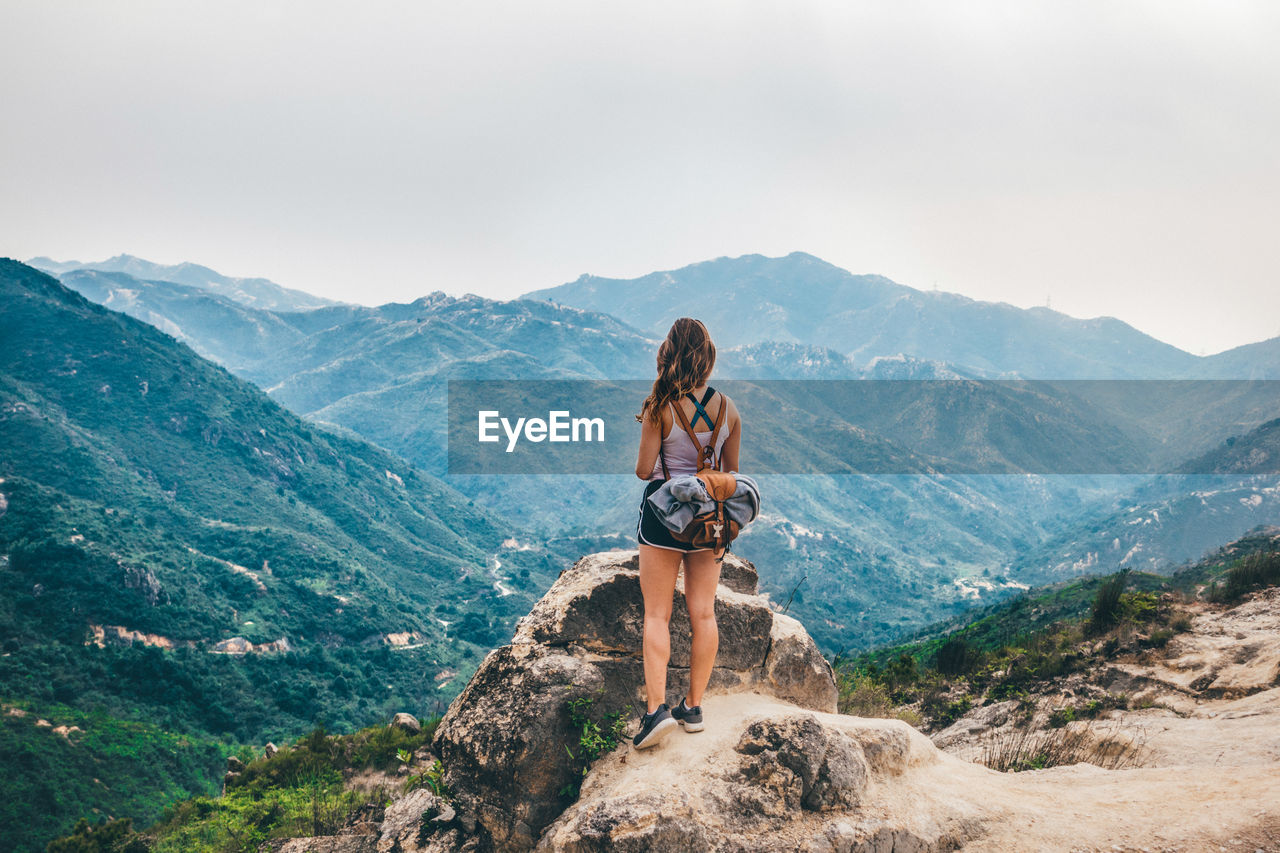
x=802 y=299
x=381 y=372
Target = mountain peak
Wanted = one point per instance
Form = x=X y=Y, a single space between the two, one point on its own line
x=799 y=297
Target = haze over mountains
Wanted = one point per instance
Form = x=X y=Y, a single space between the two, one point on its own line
x=834 y=321
x=258 y=292
x=800 y=298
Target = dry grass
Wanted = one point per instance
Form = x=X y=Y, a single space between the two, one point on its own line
x=1031 y=749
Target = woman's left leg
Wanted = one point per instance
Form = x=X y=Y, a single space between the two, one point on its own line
x=658 y=570
x=701 y=576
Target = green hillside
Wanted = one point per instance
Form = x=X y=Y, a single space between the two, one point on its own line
x=1019 y=620
x=58 y=760
x=177 y=548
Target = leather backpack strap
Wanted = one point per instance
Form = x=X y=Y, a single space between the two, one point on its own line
x=716 y=432
x=684 y=422
x=666 y=475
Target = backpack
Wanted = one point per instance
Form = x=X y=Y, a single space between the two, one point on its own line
x=713 y=528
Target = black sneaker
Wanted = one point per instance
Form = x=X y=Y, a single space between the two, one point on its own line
x=690 y=718
x=654 y=727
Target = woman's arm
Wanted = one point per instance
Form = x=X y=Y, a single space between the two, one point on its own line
x=729 y=451
x=650 y=441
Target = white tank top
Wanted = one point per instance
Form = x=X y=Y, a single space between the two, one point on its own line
x=682 y=456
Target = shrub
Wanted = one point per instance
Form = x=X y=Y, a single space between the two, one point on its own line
x=1138 y=606
x=1106 y=604
x=902 y=670
x=1061 y=716
x=318 y=753
x=242 y=820
x=112 y=836
x=863 y=696
x=909 y=717
x=432 y=778
x=597 y=735
x=955 y=656
x=1247 y=574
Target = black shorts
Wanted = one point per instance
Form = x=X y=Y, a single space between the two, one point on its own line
x=651 y=531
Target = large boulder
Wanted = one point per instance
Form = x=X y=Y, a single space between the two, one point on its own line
x=406 y=722
x=816 y=767
x=791 y=669
x=596 y=606
x=506 y=741
x=403 y=821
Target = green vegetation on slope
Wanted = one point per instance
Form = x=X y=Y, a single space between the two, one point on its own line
x=156 y=512
x=54 y=755
x=299 y=791
x=1251 y=572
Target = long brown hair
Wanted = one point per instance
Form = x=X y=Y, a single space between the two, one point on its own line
x=685 y=360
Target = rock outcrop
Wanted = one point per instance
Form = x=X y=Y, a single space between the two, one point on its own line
x=506 y=741
x=776 y=769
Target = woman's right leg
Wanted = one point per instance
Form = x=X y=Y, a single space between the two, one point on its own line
x=701 y=577
x=658 y=570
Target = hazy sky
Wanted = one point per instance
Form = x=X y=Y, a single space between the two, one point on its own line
x=1118 y=158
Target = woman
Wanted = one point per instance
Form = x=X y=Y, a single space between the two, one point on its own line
x=685 y=360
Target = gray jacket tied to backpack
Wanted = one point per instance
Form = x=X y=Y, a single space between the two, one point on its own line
x=679 y=499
